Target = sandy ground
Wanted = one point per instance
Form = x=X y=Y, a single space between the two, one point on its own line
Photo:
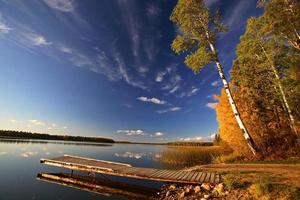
x=285 y=173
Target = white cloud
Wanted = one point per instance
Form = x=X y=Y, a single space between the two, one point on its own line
x=158 y=134
x=212 y=105
x=132 y=132
x=4 y=28
x=174 y=89
x=12 y=120
x=193 y=91
x=153 y=10
x=61 y=5
x=215 y=83
x=36 y=122
x=143 y=69
x=38 y=40
x=152 y=100
x=191 y=139
x=174 y=80
x=160 y=76
x=212 y=136
x=64 y=49
x=173 y=109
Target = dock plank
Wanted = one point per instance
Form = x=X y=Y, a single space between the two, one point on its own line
x=126 y=170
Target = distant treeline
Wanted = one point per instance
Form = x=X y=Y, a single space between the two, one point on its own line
x=190 y=143
x=43 y=136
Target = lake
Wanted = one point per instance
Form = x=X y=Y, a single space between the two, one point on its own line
x=19 y=166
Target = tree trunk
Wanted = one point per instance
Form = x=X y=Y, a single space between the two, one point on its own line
x=241 y=125
x=285 y=102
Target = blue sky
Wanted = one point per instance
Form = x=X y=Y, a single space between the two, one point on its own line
x=105 y=68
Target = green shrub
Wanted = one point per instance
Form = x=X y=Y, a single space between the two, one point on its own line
x=262 y=187
x=230 y=181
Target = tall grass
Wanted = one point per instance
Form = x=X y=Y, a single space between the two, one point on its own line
x=179 y=157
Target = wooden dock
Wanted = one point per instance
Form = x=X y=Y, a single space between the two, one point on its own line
x=126 y=170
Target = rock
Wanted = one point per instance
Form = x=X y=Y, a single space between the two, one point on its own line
x=206 y=196
x=168 y=193
x=187 y=190
x=182 y=194
x=219 y=188
x=172 y=187
x=205 y=186
x=197 y=189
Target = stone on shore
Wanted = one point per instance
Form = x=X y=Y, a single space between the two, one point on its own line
x=197 y=189
x=205 y=186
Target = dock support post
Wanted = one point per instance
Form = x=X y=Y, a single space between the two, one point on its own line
x=72 y=172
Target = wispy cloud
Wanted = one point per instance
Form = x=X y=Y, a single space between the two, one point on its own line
x=153 y=10
x=233 y=20
x=215 y=83
x=211 y=105
x=193 y=91
x=131 y=22
x=172 y=109
x=160 y=76
x=61 y=5
x=38 y=40
x=36 y=122
x=174 y=89
x=4 y=28
x=152 y=100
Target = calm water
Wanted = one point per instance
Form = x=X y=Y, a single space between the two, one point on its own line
x=19 y=166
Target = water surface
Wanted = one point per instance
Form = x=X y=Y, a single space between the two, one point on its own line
x=19 y=166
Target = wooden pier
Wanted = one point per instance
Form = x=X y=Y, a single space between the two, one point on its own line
x=126 y=170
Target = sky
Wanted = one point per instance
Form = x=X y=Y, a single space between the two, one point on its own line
x=105 y=68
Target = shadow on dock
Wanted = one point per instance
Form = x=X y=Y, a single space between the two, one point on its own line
x=101 y=186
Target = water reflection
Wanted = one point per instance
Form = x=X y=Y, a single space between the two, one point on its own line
x=103 y=186
x=131 y=155
x=139 y=155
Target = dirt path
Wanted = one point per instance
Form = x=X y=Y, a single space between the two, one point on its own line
x=286 y=173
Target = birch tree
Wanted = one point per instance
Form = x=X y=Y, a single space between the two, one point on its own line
x=259 y=44
x=283 y=20
x=199 y=29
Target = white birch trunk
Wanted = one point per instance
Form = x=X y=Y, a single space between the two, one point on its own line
x=241 y=125
x=285 y=102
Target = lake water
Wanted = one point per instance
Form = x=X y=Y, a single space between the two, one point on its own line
x=19 y=166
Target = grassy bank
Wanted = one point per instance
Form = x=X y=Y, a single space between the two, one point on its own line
x=186 y=156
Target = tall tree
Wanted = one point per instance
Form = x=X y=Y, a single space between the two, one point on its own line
x=283 y=20
x=259 y=43
x=199 y=30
